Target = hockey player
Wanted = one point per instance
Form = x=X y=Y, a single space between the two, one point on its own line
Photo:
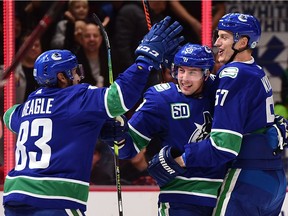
x=59 y=124
x=241 y=134
x=176 y=114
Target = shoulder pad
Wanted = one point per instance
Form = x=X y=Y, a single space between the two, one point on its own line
x=162 y=87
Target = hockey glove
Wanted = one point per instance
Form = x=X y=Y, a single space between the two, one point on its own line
x=161 y=40
x=163 y=168
x=114 y=130
x=281 y=126
x=169 y=58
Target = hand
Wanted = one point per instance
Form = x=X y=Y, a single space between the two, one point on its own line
x=281 y=125
x=163 y=168
x=106 y=21
x=161 y=40
x=69 y=16
x=113 y=131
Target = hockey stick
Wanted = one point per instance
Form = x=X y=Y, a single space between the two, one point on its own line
x=146 y=8
x=116 y=150
x=42 y=26
x=147 y=13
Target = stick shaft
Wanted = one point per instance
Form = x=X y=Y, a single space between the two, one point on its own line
x=107 y=42
x=118 y=179
x=116 y=150
x=147 y=13
x=146 y=8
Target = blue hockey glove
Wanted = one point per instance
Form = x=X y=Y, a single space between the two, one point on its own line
x=163 y=168
x=114 y=129
x=169 y=58
x=281 y=125
x=161 y=40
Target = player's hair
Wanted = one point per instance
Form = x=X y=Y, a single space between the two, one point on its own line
x=52 y=62
x=241 y=25
x=193 y=55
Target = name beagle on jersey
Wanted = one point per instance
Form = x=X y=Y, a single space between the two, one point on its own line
x=37 y=106
x=231 y=72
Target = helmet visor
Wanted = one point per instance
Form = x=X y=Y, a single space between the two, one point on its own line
x=80 y=71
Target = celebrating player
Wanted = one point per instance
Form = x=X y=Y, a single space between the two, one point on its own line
x=176 y=114
x=241 y=133
x=59 y=124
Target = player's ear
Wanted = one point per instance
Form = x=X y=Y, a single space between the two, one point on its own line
x=62 y=80
x=243 y=42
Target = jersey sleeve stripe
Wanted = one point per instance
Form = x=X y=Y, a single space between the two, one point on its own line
x=8 y=116
x=114 y=97
x=227 y=141
x=140 y=141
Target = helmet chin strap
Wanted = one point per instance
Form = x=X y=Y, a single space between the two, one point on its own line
x=236 y=52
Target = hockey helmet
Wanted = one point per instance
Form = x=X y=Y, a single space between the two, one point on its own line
x=241 y=25
x=193 y=55
x=52 y=62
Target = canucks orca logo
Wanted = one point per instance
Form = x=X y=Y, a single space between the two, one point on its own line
x=202 y=131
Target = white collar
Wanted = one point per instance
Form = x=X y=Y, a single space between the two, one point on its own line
x=248 y=62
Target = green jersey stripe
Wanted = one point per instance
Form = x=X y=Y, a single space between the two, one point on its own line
x=139 y=139
x=73 y=212
x=7 y=117
x=163 y=209
x=227 y=141
x=114 y=97
x=230 y=180
x=207 y=187
x=47 y=188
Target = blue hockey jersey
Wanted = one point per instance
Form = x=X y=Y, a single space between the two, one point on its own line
x=57 y=133
x=176 y=119
x=244 y=108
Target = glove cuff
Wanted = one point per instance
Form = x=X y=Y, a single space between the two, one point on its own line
x=175 y=152
x=169 y=157
x=143 y=59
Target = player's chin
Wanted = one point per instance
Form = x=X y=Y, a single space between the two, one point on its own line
x=221 y=58
x=187 y=91
x=76 y=82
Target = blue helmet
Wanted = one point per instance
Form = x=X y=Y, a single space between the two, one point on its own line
x=241 y=25
x=193 y=55
x=52 y=62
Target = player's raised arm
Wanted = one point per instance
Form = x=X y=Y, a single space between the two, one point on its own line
x=159 y=42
